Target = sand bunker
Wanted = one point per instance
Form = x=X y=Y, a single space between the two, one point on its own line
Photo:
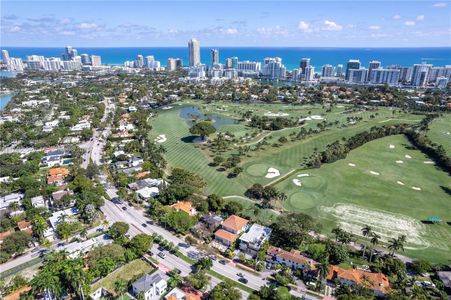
x=399 y=162
x=161 y=138
x=408 y=156
x=279 y=114
x=416 y=188
x=272 y=172
x=316 y=117
x=392 y=146
x=297 y=182
x=375 y=173
x=166 y=107
x=388 y=225
x=303 y=175
x=428 y=162
x=351 y=165
x=400 y=182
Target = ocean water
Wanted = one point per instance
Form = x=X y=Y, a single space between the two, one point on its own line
x=290 y=56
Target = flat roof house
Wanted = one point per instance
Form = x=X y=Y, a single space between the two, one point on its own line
x=153 y=285
x=5 y=201
x=253 y=239
x=38 y=201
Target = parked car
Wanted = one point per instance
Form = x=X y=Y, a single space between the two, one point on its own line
x=223 y=262
x=124 y=207
x=243 y=280
x=240 y=275
x=162 y=254
x=183 y=245
x=144 y=225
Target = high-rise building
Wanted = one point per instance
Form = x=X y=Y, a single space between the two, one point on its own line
x=178 y=63
x=85 y=59
x=34 y=65
x=15 y=64
x=194 y=52
x=353 y=64
x=35 y=58
x=296 y=74
x=71 y=65
x=171 y=64
x=96 y=61
x=357 y=75
x=385 y=76
x=420 y=74
x=327 y=71
x=228 y=63
x=249 y=66
x=437 y=72
x=273 y=68
x=374 y=64
x=139 y=61
x=150 y=59
x=441 y=82
x=214 y=56
x=234 y=62
x=305 y=62
x=5 y=56
x=52 y=64
x=339 y=70
x=309 y=73
x=70 y=53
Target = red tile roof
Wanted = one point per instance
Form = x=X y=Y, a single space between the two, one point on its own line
x=225 y=235
x=375 y=281
x=235 y=223
x=294 y=256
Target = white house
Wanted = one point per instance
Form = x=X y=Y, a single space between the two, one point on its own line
x=253 y=239
x=38 y=201
x=48 y=126
x=148 y=192
x=153 y=285
x=77 y=248
x=57 y=217
x=83 y=124
x=5 y=201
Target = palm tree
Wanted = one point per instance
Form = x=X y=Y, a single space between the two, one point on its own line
x=39 y=226
x=120 y=286
x=337 y=231
x=47 y=283
x=84 y=233
x=323 y=269
x=366 y=231
x=396 y=244
x=374 y=241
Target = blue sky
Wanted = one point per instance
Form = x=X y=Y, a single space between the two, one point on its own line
x=333 y=23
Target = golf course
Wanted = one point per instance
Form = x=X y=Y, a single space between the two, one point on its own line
x=395 y=188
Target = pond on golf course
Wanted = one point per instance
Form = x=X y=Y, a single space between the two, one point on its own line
x=192 y=114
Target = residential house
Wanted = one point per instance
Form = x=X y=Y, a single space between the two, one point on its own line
x=38 y=201
x=25 y=226
x=4 y=235
x=148 y=192
x=293 y=259
x=54 y=157
x=77 y=249
x=185 y=206
x=212 y=221
x=148 y=182
x=82 y=124
x=152 y=285
x=254 y=238
x=377 y=282
x=99 y=294
x=57 y=217
x=183 y=294
x=135 y=161
x=5 y=201
x=235 y=224
x=56 y=176
x=225 y=237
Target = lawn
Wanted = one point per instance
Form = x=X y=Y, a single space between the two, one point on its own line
x=385 y=184
x=127 y=272
x=440 y=132
x=181 y=152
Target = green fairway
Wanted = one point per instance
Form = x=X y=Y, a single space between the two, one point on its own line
x=385 y=184
x=196 y=158
x=440 y=132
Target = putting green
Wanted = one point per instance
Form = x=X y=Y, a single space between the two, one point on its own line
x=313 y=182
x=257 y=170
x=300 y=201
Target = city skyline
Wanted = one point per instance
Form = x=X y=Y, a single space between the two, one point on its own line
x=234 y=24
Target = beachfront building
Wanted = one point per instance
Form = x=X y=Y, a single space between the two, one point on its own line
x=273 y=68
x=194 y=52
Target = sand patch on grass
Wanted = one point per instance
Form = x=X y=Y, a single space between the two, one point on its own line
x=303 y=175
x=416 y=188
x=166 y=107
x=408 y=156
x=351 y=165
x=272 y=173
x=392 y=146
x=428 y=162
x=278 y=114
x=400 y=182
x=161 y=139
x=399 y=162
x=388 y=225
x=375 y=173
x=297 y=182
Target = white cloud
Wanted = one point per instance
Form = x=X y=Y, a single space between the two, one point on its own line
x=440 y=4
x=230 y=31
x=331 y=26
x=396 y=17
x=409 y=23
x=67 y=32
x=15 y=29
x=304 y=26
x=420 y=18
x=273 y=31
x=374 y=27
x=87 y=26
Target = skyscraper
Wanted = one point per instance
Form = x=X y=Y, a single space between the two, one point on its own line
x=70 y=53
x=339 y=70
x=139 y=61
x=5 y=56
x=353 y=64
x=171 y=64
x=214 y=56
x=228 y=63
x=420 y=74
x=327 y=71
x=234 y=62
x=85 y=59
x=305 y=62
x=273 y=68
x=374 y=64
x=96 y=60
x=150 y=59
x=194 y=52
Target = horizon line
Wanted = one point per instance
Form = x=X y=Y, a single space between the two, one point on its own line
x=273 y=47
